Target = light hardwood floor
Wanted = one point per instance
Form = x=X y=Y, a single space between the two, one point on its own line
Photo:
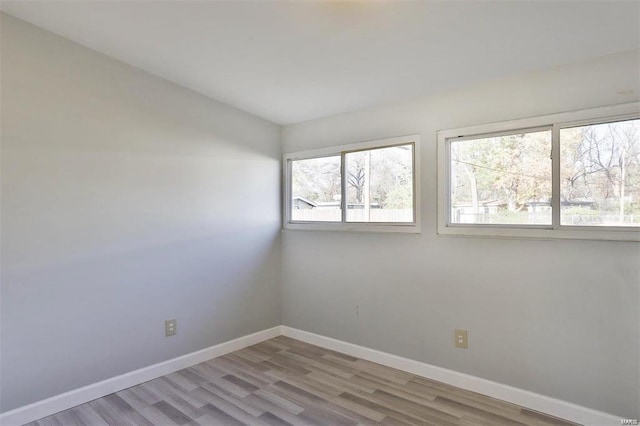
x=284 y=381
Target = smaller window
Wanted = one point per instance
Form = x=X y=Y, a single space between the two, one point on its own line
x=370 y=186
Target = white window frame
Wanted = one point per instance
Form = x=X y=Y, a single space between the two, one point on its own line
x=403 y=227
x=555 y=122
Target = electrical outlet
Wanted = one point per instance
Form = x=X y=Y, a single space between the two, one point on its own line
x=170 y=327
x=461 y=339
x=357 y=309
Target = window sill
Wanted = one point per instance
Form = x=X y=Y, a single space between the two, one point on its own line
x=607 y=234
x=409 y=228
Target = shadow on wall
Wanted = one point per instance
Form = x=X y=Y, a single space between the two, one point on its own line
x=126 y=201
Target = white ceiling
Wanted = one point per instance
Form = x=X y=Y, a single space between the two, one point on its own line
x=295 y=61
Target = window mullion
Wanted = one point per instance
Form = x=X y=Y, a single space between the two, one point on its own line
x=288 y=201
x=555 y=176
x=343 y=187
x=447 y=195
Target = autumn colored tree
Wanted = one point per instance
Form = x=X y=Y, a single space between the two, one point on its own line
x=513 y=169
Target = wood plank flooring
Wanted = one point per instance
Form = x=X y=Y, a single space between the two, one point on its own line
x=287 y=382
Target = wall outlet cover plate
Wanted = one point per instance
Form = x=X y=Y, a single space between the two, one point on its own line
x=461 y=339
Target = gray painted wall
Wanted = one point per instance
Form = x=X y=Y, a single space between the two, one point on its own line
x=555 y=317
x=124 y=203
x=126 y=200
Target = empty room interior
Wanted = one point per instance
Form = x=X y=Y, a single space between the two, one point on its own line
x=320 y=213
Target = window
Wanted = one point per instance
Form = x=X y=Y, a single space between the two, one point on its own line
x=370 y=186
x=600 y=174
x=380 y=184
x=570 y=175
x=502 y=179
x=316 y=188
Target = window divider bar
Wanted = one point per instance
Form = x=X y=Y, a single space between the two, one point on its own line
x=447 y=193
x=414 y=183
x=287 y=202
x=555 y=176
x=343 y=186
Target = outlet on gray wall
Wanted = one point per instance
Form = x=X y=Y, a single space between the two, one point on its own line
x=170 y=327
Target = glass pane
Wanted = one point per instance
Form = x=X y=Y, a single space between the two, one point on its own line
x=380 y=185
x=600 y=174
x=315 y=190
x=502 y=180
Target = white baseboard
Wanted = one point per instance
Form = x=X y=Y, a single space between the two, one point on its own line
x=55 y=404
x=530 y=400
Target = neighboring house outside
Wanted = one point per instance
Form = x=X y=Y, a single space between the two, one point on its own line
x=350 y=206
x=586 y=203
x=484 y=207
x=303 y=203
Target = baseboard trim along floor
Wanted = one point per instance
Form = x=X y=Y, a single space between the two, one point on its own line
x=55 y=404
x=524 y=398
x=527 y=399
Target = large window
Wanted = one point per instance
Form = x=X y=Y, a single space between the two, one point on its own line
x=570 y=175
x=369 y=186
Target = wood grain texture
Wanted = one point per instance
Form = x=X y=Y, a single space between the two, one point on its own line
x=283 y=381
